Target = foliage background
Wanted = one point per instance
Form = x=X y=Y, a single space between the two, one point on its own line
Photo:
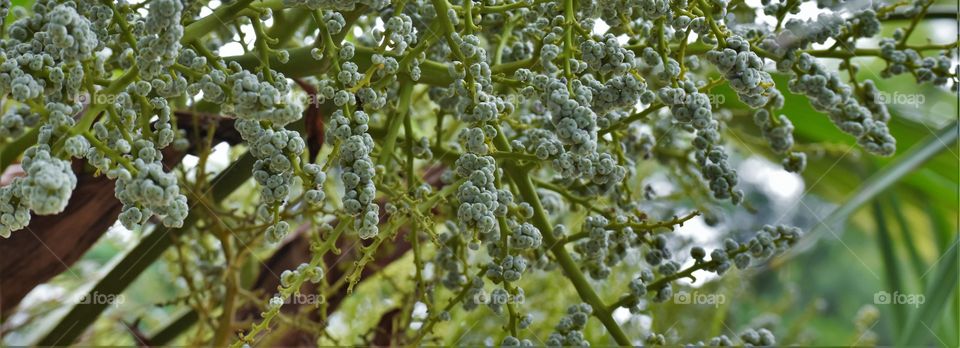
x=903 y=239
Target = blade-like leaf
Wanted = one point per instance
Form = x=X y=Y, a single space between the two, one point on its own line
x=880 y=181
x=907 y=235
x=937 y=179
x=890 y=265
x=940 y=292
x=941 y=226
x=942 y=232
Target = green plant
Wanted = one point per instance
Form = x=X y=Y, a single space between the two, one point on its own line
x=468 y=129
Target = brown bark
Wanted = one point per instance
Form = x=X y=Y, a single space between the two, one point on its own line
x=383 y=335
x=313 y=119
x=50 y=244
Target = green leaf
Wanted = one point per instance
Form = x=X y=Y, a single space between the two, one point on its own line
x=940 y=224
x=890 y=265
x=938 y=178
x=880 y=181
x=907 y=235
x=939 y=294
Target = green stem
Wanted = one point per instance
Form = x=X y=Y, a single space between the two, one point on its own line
x=442 y=7
x=636 y=116
x=408 y=128
x=118 y=18
x=875 y=52
x=435 y=317
x=529 y=194
x=688 y=272
x=642 y=228
x=913 y=24
x=285 y=292
x=586 y=203
x=507 y=33
x=510 y=6
x=284 y=31
x=396 y=120
x=468 y=17
x=213 y=21
x=569 y=20
x=225 y=323
x=263 y=49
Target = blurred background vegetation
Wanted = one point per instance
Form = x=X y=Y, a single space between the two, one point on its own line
x=874 y=225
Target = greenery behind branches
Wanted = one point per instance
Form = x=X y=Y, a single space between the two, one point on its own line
x=540 y=159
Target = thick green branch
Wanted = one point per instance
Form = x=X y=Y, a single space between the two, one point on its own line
x=529 y=194
x=215 y=20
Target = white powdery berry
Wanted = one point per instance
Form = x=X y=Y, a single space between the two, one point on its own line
x=827 y=93
x=46 y=189
x=160 y=47
x=744 y=70
x=478 y=195
x=358 y=170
